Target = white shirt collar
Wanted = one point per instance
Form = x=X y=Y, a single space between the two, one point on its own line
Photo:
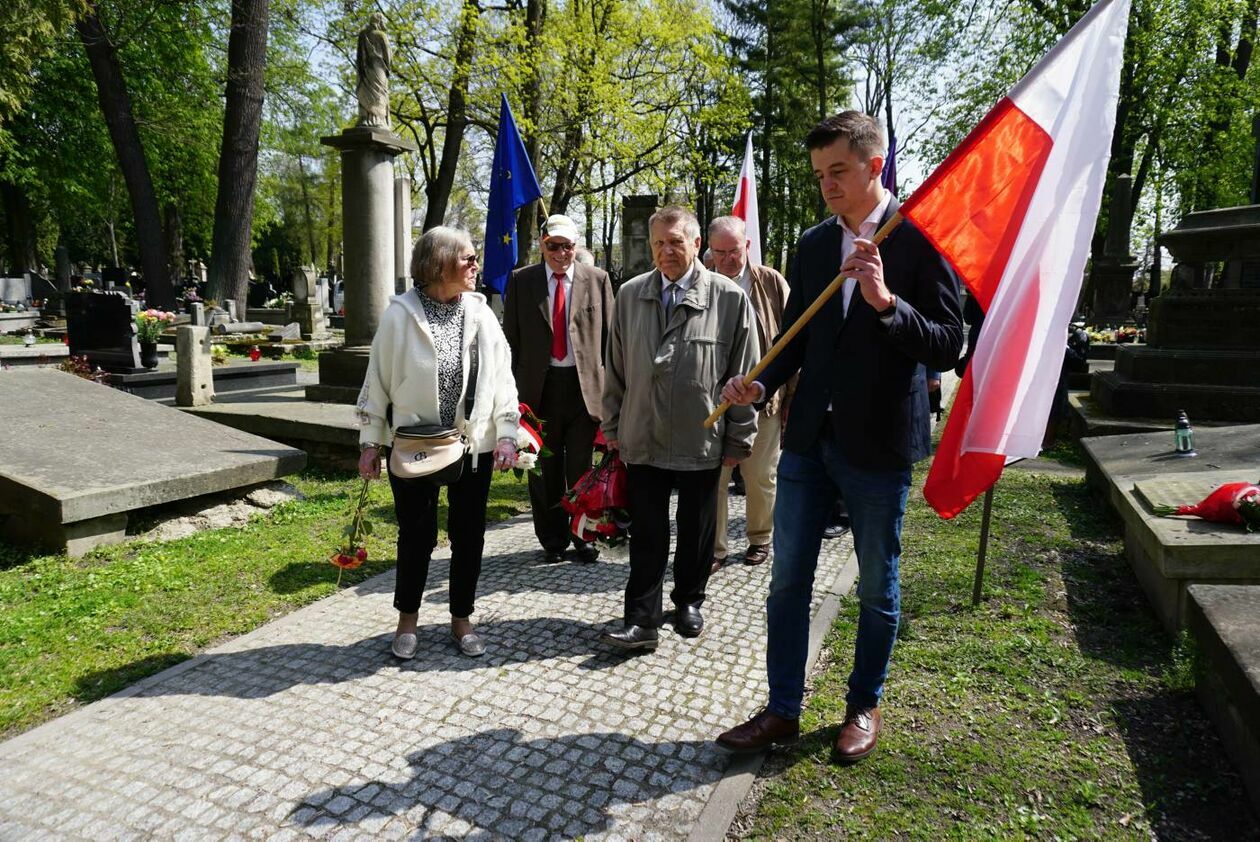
x=684 y=282
x=872 y=218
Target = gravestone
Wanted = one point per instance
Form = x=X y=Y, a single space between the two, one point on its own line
x=113 y=277
x=232 y=328
x=292 y=331
x=15 y=290
x=635 y=249
x=1201 y=353
x=306 y=308
x=323 y=295
x=194 y=384
x=1112 y=275
x=102 y=326
x=197 y=314
x=402 y=233
x=63 y=268
x=231 y=310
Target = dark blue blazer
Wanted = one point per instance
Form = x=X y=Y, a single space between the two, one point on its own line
x=871 y=374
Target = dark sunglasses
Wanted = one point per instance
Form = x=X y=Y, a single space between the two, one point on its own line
x=470 y=260
x=551 y=246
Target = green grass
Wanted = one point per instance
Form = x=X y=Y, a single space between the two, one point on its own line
x=1057 y=708
x=72 y=631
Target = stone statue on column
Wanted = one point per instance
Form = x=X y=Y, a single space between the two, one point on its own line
x=372 y=62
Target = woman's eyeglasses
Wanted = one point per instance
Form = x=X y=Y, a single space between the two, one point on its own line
x=554 y=246
x=469 y=260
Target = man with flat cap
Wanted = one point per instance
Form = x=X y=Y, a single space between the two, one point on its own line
x=557 y=316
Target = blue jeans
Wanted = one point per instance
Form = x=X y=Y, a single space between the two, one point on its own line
x=876 y=501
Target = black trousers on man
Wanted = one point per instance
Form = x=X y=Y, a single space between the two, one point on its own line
x=648 y=489
x=568 y=432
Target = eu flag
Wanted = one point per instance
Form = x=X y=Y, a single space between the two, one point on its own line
x=889 y=176
x=512 y=184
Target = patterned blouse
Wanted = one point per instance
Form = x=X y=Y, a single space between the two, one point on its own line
x=446 y=323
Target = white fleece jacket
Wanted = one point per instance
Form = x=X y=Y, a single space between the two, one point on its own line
x=402 y=371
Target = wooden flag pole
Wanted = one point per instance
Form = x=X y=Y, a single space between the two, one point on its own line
x=809 y=313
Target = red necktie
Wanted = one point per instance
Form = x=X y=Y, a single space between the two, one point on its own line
x=559 y=325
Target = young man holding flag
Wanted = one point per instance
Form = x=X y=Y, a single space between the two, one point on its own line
x=859 y=422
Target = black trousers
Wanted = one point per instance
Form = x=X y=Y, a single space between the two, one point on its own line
x=568 y=432
x=416 y=507
x=649 y=490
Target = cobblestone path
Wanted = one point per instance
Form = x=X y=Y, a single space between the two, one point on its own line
x=309 y=727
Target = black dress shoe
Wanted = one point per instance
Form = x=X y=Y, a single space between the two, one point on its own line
x=553 y=556
x=587 y=553
x=688 y=622
x=631 y=638
x=836 y=530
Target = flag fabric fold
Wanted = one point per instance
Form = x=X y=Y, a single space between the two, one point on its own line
x=745 y=206
x=1013 y=209
x=888 y=177
x=512 y=184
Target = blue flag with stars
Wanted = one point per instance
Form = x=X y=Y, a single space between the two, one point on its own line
x=512 y=184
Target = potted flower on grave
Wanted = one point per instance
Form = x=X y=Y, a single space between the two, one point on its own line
x=149 y=326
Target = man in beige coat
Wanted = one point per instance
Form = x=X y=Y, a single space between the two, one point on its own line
x=768 y=291
x=679 y=332
x=556 y=317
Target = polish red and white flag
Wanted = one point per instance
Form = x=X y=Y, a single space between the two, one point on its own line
x=1013 y=210
x=745 y=206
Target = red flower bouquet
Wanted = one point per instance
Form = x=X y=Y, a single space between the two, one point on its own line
x=598 y=502
x=351 y=554
x=1235 y=503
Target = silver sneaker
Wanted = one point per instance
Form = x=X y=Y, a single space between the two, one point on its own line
x=404 y=646
x=472 y=644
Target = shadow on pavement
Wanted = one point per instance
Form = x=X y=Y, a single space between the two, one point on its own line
x=264 y=671
x=500 y=784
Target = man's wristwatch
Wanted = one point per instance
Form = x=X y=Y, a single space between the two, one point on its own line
x=367 y=444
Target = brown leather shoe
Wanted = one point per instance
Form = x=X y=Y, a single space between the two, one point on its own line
x=760 y=733
x=858 y=734
x=716 y=565
x=756 y=553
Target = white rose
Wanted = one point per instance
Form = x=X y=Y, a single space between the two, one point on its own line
x=524 y=441
x=526 y=460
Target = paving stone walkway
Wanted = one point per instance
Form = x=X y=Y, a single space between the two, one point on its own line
x=308 y=727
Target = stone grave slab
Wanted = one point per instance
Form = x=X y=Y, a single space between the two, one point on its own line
x=1168 y=554
x=88 y=455
x=1225 y=621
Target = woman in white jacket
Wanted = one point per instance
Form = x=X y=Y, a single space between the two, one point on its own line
x=417 y=374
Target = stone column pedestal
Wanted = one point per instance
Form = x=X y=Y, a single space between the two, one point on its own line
x=194 y=380
x=367 y=206
x=1113 y=291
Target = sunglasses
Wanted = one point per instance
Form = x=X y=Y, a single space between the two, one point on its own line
x=552 y=246
x=469 y=260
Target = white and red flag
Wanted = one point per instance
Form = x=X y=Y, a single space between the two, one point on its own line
x=745 y=206
x=1013 y=209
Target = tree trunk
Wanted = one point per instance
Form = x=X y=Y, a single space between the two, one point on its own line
x=527 y=219
x=174 y=231
x=438 y=191
x=238 y=156
x=111 y=90
x=19 y=228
